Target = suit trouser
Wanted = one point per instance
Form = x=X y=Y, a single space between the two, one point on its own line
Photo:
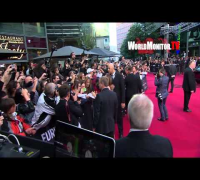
x=172 y=84
x=187 y=96
x=127 y=101
x=163 y=108
x=120 y=120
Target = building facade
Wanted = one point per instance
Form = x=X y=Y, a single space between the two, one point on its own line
x=122 y=31
x=103 y=42
x=30 y=38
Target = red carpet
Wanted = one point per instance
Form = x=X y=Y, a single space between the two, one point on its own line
x=182 y=128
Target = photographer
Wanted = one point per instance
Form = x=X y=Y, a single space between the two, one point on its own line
x=30 y=69
x=66 y=69
x=12 y=122
x=25 y=108
x=161 y=81
x=56 y=80
x=56 y=72
x=31 y=84
x=41 y=71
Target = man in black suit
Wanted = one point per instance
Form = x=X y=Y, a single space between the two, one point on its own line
x=118 y=82
x=105 y=111
x=135 y=71
x=171 y=74
x=67 y=110
x=139 y=142
x=189 y=84
x=133 y=85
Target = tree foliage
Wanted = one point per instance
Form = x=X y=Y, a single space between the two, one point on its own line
x=141 y=31
x=88 y=40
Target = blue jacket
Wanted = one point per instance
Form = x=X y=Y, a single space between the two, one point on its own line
x=162 y=84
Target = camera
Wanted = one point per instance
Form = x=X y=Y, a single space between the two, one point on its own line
x=157 y=75
x=160 y=96
x=72 y=93
x=13 y=69
x=1 y=113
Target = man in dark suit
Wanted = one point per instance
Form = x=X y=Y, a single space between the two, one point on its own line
x=105 y=111
x=67 y=110
x=189 y=84
x=172 y=74
x=135 y=71
x=133 y=85
x=139 y=142
x=118 y=82
x=161 y=81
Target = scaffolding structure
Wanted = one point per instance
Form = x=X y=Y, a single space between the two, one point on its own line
x=175 y=29
x=179 y=28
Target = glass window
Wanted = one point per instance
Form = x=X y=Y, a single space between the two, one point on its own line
x=13 y=28
x=36 y=42
x=34 y=29
x=33 y=53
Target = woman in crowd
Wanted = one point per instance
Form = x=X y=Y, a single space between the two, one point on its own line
x=87 y=106
x=111 y=85
x=143 y=72
x=81 y=77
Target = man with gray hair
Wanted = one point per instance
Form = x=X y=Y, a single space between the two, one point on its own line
x=139 y=142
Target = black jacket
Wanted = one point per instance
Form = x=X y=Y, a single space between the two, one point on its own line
x=118 y=82
x=133 y=85
x=172 y=70
x=74 y=108
x=143 y=144
x=189 y=83
x=105 y=111
x=65 y=72
x=26 y=110
x=1 y=85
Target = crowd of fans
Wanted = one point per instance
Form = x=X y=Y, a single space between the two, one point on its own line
x=33 y=99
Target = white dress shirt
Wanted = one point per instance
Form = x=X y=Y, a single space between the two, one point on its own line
x=135 y=130
x=113 y=75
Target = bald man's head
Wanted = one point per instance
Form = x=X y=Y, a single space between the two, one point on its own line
x=111 y=68
x=50 y=89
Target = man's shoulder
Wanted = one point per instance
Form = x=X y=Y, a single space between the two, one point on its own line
x=188 y=69
x=152 y=138
x=117 y=74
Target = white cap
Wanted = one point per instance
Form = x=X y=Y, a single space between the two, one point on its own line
x=89 y=70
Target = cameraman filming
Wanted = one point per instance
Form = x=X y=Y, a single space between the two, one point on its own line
x=161 y=81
